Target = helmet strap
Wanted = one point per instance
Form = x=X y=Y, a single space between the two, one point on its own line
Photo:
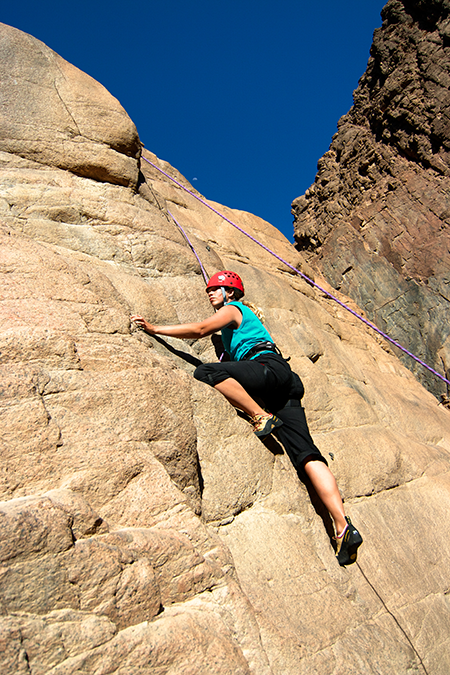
x=224 y=295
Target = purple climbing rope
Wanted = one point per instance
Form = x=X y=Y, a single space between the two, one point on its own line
x=310 y=281
x=205 y=276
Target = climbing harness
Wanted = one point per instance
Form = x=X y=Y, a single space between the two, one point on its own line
x=294 y=269
x=261 y=347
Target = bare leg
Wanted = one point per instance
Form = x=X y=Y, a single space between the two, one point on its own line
x=318 y=472
x=238 y=397
x=326 y=487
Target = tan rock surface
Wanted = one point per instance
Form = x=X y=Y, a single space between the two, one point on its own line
x=56 y=115
x=143 y=528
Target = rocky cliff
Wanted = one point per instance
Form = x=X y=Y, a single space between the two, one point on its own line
x=376 y=222
x=143 y=527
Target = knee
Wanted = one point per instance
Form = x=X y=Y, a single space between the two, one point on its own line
x=201 y=373
x=316 y=457
x=210 y=373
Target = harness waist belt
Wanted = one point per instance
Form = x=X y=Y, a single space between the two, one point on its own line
x=261 y=347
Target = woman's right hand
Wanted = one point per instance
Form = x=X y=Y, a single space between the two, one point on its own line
x=142 y=323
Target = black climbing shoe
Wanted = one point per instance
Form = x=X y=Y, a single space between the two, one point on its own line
x=263 y=425
x=347 y=545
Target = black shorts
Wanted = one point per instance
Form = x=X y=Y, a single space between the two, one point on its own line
x=269 y=379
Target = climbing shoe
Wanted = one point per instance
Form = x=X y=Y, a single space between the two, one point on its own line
x=263 y=425
x=347 y=544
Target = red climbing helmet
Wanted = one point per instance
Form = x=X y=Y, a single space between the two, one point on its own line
x=226 y=278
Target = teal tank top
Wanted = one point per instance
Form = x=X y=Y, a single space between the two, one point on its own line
x=238 y=341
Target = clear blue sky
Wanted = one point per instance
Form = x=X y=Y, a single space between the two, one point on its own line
x=242 y=96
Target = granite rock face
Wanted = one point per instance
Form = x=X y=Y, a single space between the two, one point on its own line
x=376 y=222
x=143 y=527
x=54 y=114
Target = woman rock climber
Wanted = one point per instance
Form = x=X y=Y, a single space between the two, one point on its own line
x=260 y=382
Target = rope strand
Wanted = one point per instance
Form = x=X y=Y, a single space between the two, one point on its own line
x=310 y=281
x=205 y=276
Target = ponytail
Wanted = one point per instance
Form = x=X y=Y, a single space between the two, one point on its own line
x=257 y=311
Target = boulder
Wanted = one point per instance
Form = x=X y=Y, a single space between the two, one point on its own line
x=56 y=115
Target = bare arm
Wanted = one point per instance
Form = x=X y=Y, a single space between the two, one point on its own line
x=226 y=316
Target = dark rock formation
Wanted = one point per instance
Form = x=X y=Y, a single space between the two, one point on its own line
x=376 y=222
